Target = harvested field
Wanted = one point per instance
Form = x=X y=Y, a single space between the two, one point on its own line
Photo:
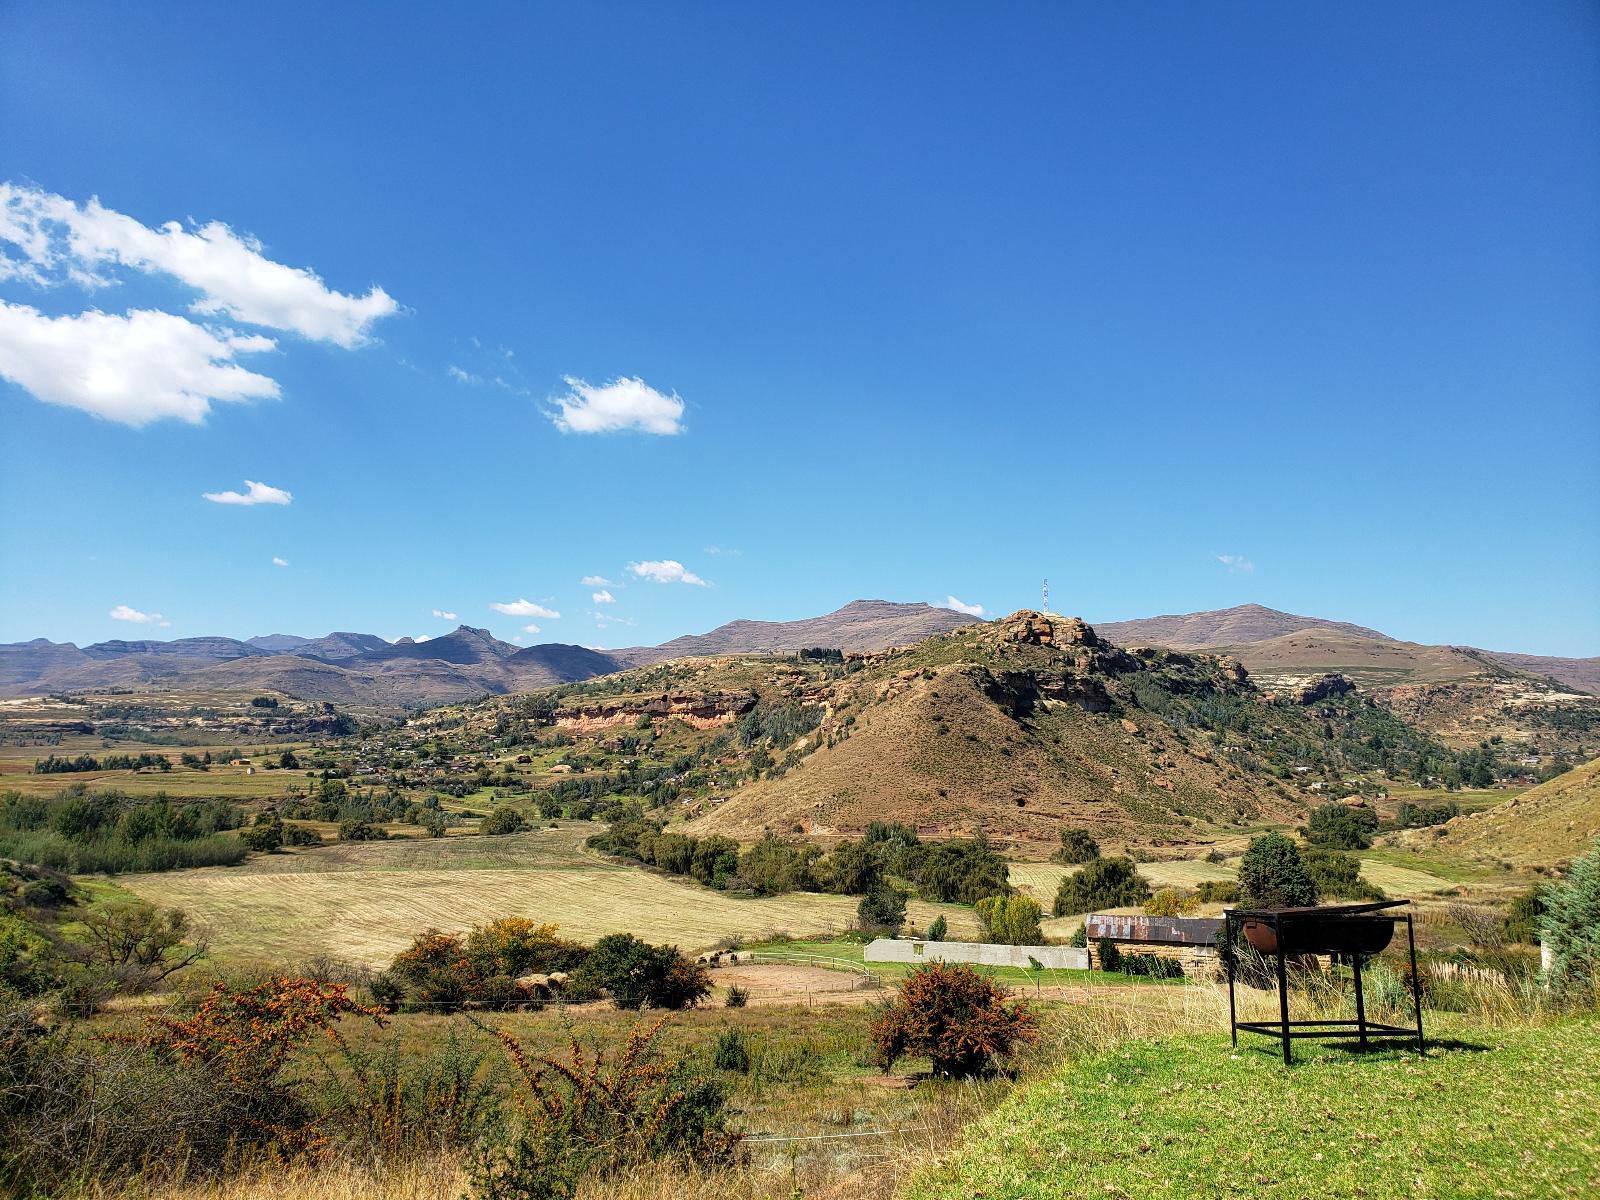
x=366 y=901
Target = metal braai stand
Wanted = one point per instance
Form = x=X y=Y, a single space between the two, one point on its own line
x=1348 y=932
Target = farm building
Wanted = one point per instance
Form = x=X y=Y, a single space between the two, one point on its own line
x=1190 y=940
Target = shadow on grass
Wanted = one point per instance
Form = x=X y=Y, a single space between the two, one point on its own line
x=1391 y=1048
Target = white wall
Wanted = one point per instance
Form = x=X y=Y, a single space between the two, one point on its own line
x=912 y=950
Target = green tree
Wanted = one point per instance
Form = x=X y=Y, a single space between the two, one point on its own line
x=1273 y=875
x=1342 y=827
x=1011 y=920
x=1103 y=883
x=938 y=929
x=963 y=871
x=882 y=909
x=635 y=974
x=1570 y=926
x=503 y=821
x=1077 y=847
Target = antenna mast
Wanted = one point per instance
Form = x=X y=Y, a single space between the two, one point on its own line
x=1046 y=595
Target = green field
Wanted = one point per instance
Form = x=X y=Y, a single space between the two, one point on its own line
x=365 y=901
x=851 y=955
x=1503 y=1113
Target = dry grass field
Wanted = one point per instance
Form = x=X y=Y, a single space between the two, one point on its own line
x=221 y=781
x=365 y=902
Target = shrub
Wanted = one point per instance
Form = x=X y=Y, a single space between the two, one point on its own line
x=502 y=821
x=882 y=910
x=593 y=1116
x=1153 y=966
x=938 y=928
x=263 y=839
x=300 y=835
x=1570 y=926
x=737 y=997
x=361 y=831
x=635 y=973
x=957 y=1018
x=1076 y=847
x=1103 y=883
x=136 y=945
x=1219 y=891
x=1337 y=874
x=1080 y=936
x=1010 y=920
x=1107 y=956
x=1215 y=856
x=1171 y=902
x=1272 y=875
x=731 y=1053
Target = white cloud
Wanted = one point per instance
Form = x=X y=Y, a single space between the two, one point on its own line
x=525 y=608
x=972 y=610
x=1237 y=564
x=530 y=629
x=517 y=638
x=604 y=597
x=666 y=570
x=595 y=581
x=602 y=620
x=58 y=240
x=124 y=613
x=254 y=493
x=279 y=562
x=461 y=376
x=133 y=369
x=723 y=552
x=621 y=404
x=444 y=616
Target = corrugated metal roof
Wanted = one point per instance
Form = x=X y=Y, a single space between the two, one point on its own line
x=1169 y=931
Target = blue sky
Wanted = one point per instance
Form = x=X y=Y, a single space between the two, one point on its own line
x=1181 y=306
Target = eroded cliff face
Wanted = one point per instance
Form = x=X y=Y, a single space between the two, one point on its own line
x=704 y=710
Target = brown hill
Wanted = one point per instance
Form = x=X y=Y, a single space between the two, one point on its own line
x=861 y=625
x=1221 y=627
x=1582 y=674
x=1545 y=826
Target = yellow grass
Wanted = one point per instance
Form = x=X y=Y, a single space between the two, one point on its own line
x=366 y=902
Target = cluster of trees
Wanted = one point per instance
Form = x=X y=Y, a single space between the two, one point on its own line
x=1102 y=883
x=57 y=764
x=1342 y=827
x=84 y=831
x=271 y=832
x=1274 y=873
x=958 y=870
x=515 y=962
x=1419 y=816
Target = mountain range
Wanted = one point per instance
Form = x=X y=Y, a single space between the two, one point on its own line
x=363 y=669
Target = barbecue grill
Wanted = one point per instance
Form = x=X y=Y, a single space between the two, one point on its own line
x=1345 y=931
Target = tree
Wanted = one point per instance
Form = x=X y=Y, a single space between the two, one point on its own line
x=263 y=838
x=963 y=871
x=502 y=821
x=1103 y=883
x=852 y=869
x=938 y=929
x=1570 y=926
x=1524 y=914
x=1170 y=902
x=1011 y=920
x=288 y=762
x=772 y=868
x=1273 y=875
x=882 y=909
x=955 y=1017
x=1342 y=827
x=361 y=831
x=635 y=973
x=1077 y=847
x=1338 y=874
x=138 y=945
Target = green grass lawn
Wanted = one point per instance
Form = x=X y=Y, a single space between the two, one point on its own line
x=1492 y=1113
x=846 y=955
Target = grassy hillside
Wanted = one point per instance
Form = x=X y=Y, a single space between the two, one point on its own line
x=1543 y=826
x=1505 y=1113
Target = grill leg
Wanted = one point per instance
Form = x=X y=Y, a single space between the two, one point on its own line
x=1283 y=993
x=1228 y=961
x=1416 y=980
x=1361 y=1004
